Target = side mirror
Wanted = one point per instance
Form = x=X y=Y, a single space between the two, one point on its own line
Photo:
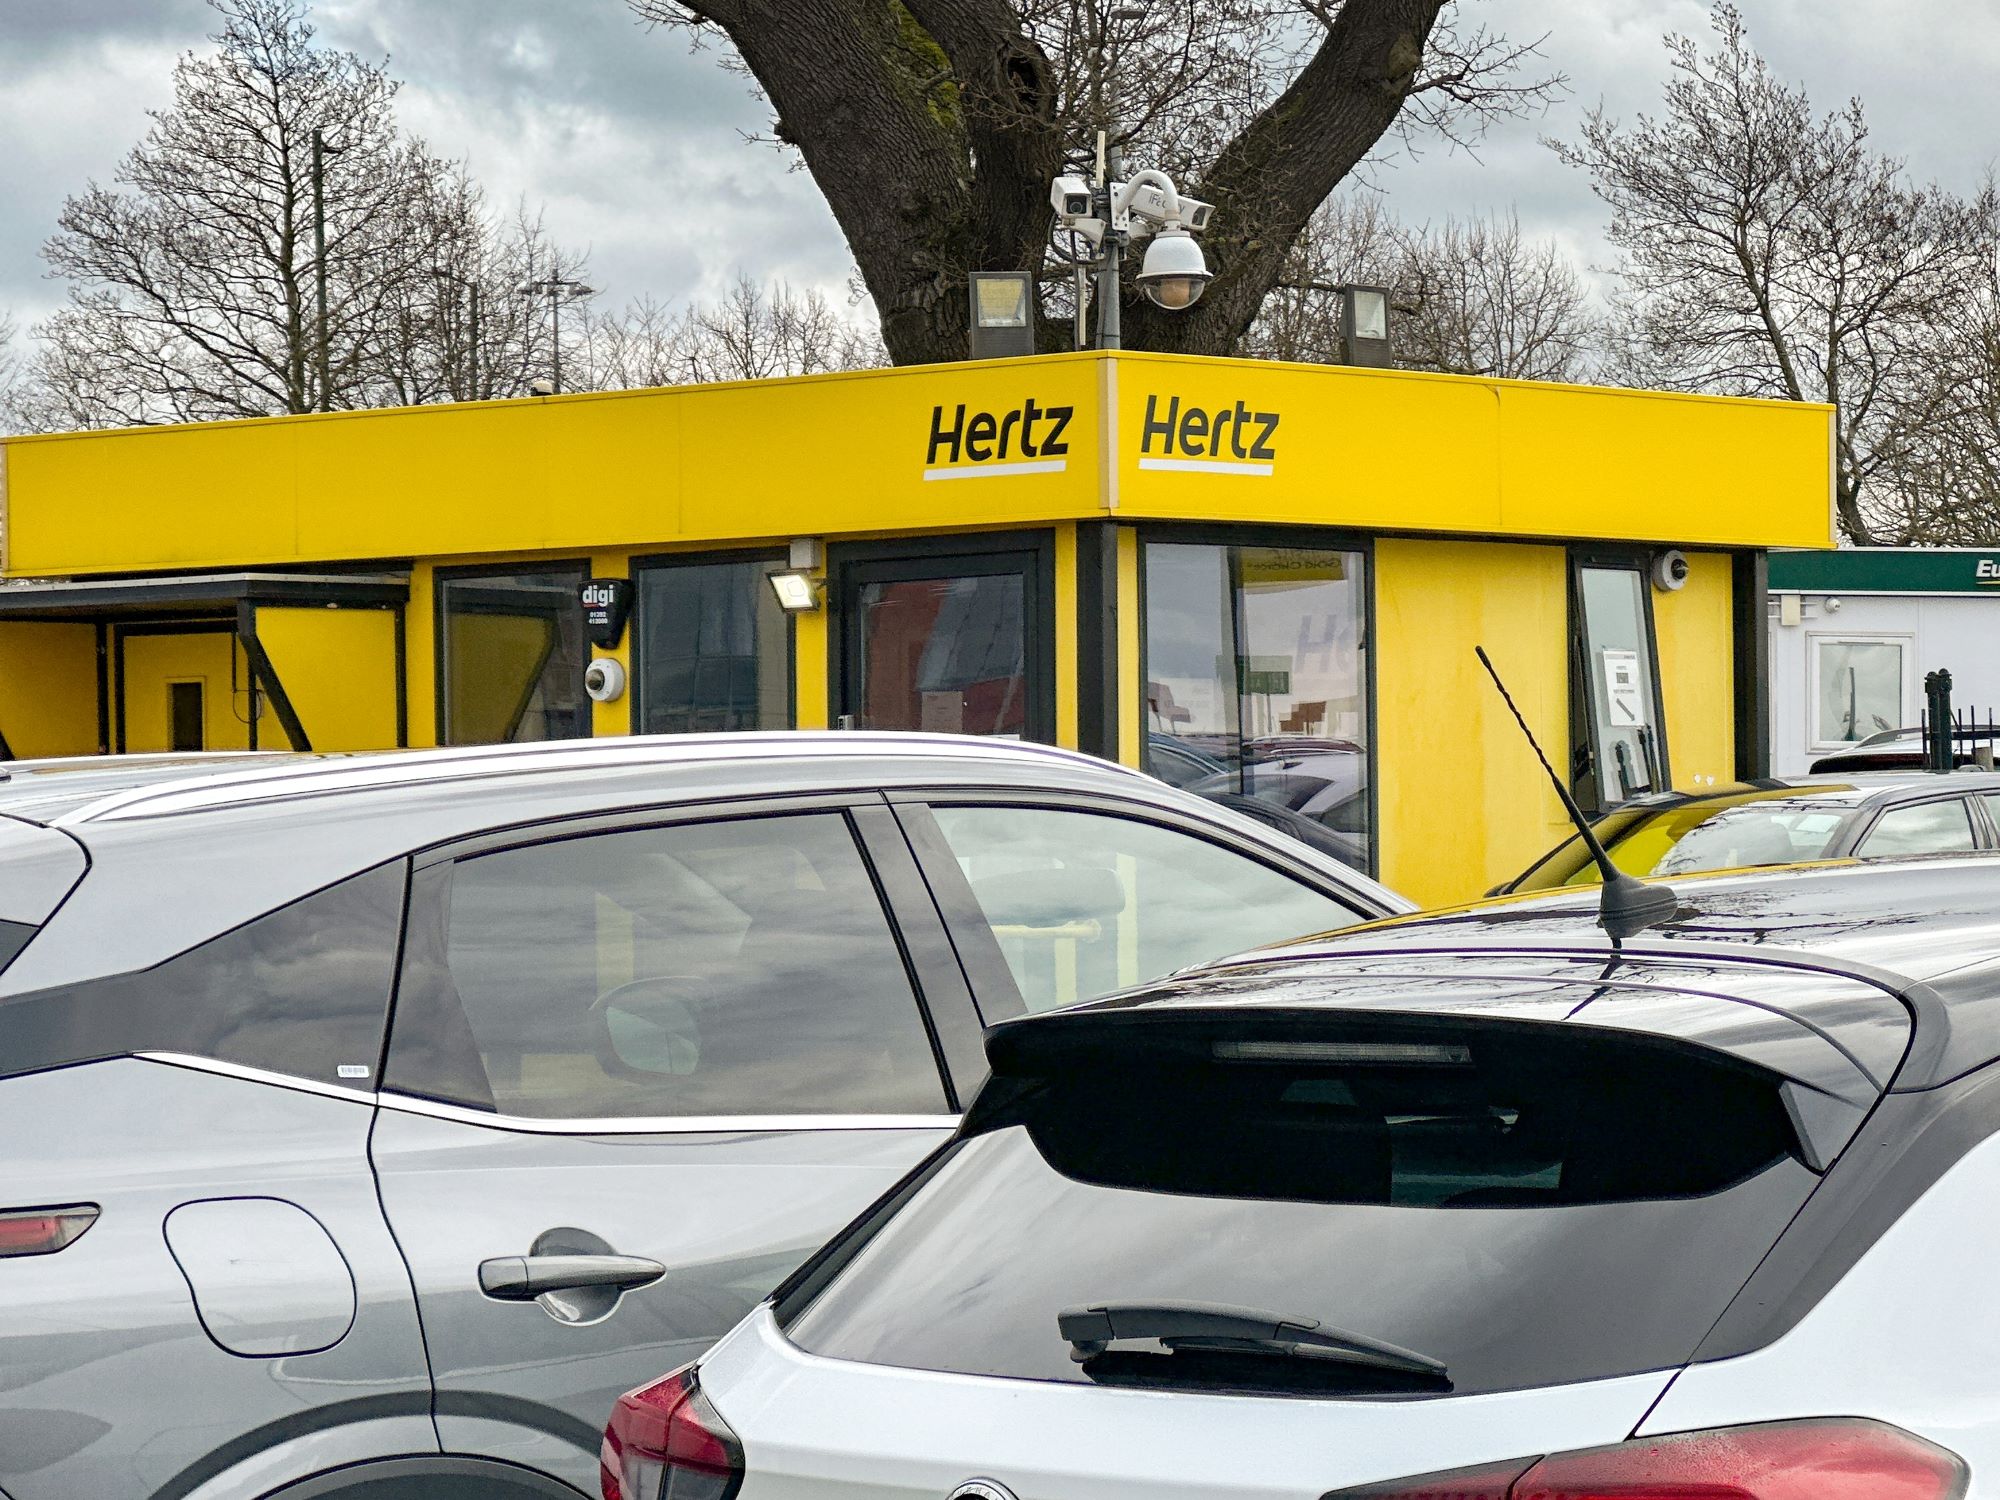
x=647 y=1029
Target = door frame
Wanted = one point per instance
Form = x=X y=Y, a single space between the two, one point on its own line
x=1031 y=554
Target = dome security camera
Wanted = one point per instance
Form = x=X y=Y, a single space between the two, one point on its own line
x=604 y=680
x=1670 y=571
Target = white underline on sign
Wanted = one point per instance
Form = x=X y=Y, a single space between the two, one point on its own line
x=999 y=471
x=1205 y=466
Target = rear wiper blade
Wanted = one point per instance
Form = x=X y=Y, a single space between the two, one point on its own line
x=1199 y=1325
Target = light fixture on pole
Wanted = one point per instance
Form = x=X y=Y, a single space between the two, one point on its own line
x=558 y=289
x=320 y=152
x=797 y=585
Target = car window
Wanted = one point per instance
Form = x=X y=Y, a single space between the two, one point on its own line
x=303 y=990
x=1084 y=903
x=1735 y=838
x=739 y=967
x=1925 y=828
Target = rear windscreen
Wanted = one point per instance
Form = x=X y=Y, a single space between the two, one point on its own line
x=1527 y=1207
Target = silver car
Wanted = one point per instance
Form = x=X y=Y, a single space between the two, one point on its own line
x=372 y=1122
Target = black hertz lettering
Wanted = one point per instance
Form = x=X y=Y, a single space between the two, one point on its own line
x=1227 y=432
x=1030 y=430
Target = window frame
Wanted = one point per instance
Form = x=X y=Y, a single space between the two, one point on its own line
x=1907 y=711
x=945 y=1007
x=1978 y=816
x=441 y=660
x=992 y=980
x=1582 y=716
x=665 y=562
x=851 y=566
x=1305 y=538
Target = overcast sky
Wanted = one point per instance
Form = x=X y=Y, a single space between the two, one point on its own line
x=634 y=146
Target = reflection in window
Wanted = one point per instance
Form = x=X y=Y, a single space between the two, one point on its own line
x=513 y=658
x=1860 y=690
x=1927 y=828
x=1618 y=751
x=731 y=968
x=1257 y=684
x=946 y=655
x=714 y=649
x=1082 y=904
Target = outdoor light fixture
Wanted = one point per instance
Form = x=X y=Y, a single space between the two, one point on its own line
x=1174 y=272
x=797 y=593
x=1002 y=322
x=1364 y=325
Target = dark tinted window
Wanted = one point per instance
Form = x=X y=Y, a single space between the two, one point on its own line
x=13 y=938
x=715 y=650
x=1528 y=1212
x=1925 y=828
x=303 y=991
x=742 y=967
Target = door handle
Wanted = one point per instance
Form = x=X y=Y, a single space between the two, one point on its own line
x=523 y=1278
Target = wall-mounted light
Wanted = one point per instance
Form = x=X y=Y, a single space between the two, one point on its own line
x=797 y=587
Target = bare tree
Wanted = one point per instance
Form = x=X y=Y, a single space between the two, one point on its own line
x=1770 y=251
x=1468 y=297
x=751 y=334
x=194 y=279
x=933 y=127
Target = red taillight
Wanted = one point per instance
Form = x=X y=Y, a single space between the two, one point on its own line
x=1838 y=1459
x=43 y=1231
x=666 y=1441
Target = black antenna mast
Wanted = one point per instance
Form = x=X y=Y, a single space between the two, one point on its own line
x=1628 y=905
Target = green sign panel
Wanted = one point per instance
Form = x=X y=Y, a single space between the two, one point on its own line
x=1886 y=570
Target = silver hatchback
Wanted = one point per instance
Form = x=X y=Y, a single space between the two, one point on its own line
x=372 y=1122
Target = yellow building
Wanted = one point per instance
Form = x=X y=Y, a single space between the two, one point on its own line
x=1264 y=579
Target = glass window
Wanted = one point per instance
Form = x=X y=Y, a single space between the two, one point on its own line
x=514 y=656
x=1620 y=751
x=1610 y=1194
x=743 y=967
x=1085 y=903
x=1860 y=689
x=714 y=649
x=303 y=991
x=1926 y=828
x=947 y=655
x=1257 y=684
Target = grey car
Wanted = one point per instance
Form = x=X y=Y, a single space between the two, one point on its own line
x=372 y=1122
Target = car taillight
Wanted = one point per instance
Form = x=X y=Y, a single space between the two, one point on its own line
x=43 y=1231
x=1836 y=1459
x=666 y=1441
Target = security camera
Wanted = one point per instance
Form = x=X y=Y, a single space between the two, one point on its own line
x=604 y=680
x=1195 y=214
x=1071 y=198
x=1670 y=571
x=541 y=385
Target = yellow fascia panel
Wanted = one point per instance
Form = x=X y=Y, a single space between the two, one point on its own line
x=1247 y=440
x=588 y=473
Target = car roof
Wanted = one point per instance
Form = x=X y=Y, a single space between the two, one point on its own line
x=236 y=838
x=1924 y=932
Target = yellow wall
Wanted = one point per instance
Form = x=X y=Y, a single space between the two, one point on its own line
x=1462 y=802
x=338 y=668
x=1697 y=678
x=615 y=717
x=211 y=658
x=48 y=698
x=420 y=631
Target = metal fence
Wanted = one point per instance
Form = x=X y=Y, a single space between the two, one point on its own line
x=1956 y=736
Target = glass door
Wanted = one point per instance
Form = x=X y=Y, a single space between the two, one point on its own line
x=947 y=642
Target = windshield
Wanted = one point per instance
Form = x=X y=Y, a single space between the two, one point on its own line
x=1528 y=1207
x=1779 y=827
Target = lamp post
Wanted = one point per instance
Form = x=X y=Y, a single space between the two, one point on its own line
x=558 y=289
x=320 y=151
x=472 y=353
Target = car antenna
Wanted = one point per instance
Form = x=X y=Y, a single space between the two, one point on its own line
x=1627 y=905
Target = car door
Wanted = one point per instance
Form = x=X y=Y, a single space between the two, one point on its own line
x=1054 y=901
x=638 y=1071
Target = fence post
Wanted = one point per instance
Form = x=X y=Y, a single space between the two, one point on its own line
x=1938 y=748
